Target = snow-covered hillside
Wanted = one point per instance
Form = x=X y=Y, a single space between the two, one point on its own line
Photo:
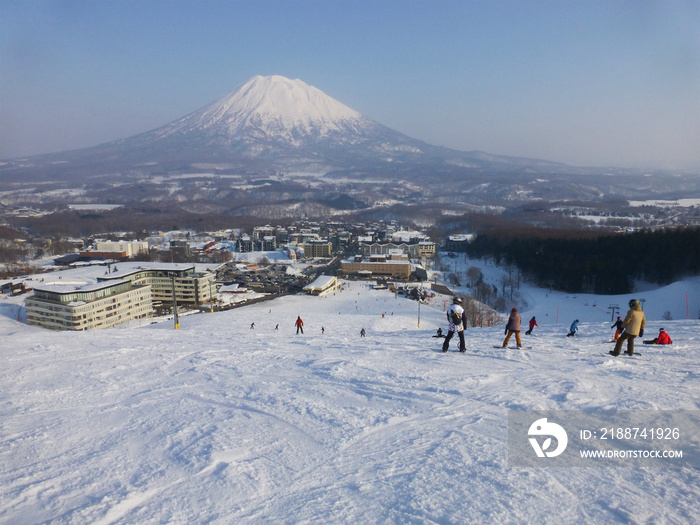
x=220 y=423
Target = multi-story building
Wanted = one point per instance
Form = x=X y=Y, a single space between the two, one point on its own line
x=414 y=250
x=129 y=248
x=317 y=248
x=191 y=287
x=245 y=244
x=88 y=307
x=395 y=265
x=458 y=243
x=268 y=243
x=262 y=231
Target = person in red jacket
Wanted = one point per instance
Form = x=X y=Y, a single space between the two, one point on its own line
x=299 y=324
x=662 y=339
x=533 y=324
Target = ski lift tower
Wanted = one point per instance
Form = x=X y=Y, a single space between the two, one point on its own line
x=613 y=309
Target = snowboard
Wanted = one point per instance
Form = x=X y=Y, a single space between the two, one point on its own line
x=622 y=354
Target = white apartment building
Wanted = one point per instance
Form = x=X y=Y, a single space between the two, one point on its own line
x=118 y=297
x=129 y=248
x=88 y=307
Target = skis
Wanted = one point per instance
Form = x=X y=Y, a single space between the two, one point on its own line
x=622 y=354
x=512 y=347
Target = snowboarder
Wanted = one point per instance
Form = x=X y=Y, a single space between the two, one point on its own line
x=533 y=324
x=458 y=322
x=573 y=329
x=513 y=327
x=632 y=326
x=439 y=333
x=277 y=326
x=617 y=327
x=323 y=330
x=662 y=339
x=299 y=324
x=362 y=332
x=252 y=325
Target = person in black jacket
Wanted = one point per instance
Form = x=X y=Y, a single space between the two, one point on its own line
x=618 y=327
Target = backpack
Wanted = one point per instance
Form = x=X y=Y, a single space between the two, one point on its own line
x=455 y=318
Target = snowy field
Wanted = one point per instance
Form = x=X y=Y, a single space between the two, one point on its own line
x=219 y=423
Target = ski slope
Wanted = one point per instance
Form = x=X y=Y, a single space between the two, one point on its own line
x=220 y=423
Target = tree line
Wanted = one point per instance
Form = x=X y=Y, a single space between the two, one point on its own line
x=577 y=262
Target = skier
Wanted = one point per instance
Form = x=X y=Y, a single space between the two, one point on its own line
x=617 y=327
x=458 y=322
x=323 y=330
x=252 y=325
x=573 y=329
x=277 y=326
x=513 y=327
x=662 y=339
x=533 y=324
x=632 y=326
x=362 y=332
x=299 y=324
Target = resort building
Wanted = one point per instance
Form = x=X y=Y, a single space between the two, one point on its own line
x=317 y=248
x=414 y=251
x=396 y=265
x=322 y=285
x=190 y=287
x=88 y=307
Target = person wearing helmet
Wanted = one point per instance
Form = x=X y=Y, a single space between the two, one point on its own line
x=632 y=326
x=458 y=322
x=662 y=339
x=513 y=327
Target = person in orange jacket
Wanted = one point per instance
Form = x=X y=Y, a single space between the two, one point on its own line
x=299 y=324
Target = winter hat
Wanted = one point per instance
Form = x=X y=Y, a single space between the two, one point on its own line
x=661 y=330
x=634 y=303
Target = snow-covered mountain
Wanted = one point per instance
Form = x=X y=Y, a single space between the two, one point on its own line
x=274 y=107
x=272 y=123
x=274 y=128
x=282 y=121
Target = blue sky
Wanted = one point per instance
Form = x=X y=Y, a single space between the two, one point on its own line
x=606 y=82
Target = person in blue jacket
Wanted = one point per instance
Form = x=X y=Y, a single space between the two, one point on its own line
x=573 y=329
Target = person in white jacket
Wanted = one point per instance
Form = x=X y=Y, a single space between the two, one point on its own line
x=458 y=322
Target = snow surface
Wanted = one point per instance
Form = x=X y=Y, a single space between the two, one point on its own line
x=220 y=423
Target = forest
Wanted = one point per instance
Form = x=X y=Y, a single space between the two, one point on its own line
x=584 y=262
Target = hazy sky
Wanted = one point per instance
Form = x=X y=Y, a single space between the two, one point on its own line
x=596 y=82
